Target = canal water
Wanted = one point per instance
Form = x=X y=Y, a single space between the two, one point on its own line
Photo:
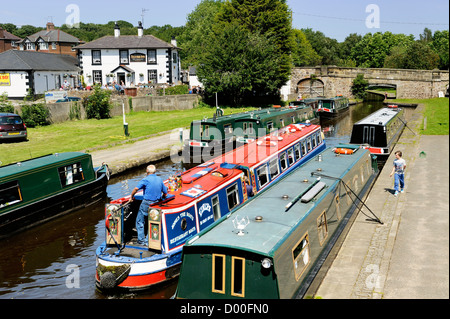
x=57 y=259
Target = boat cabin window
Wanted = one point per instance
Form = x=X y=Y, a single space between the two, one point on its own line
x=300 y=255
x=10 y=194
x=205 y=131
x=71 y=174
x=297 y=151
x=308 y=144
x=263 y=179
x=216 y=207
x=303 y=148
x=232 y=196
x=218 y=273
x=291 y=157
x=237 y=277
x=322 y=227
x=293 y=119
x=281 y=122
x=270 y=126
x=283 y=161
x=313 y=142
x=228 y=129
x=273 y=166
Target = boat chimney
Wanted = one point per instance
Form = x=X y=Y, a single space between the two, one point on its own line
x=116 y=30
x=140 y=30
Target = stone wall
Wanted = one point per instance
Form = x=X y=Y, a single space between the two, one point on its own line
x=419 y=84
x=60 y=112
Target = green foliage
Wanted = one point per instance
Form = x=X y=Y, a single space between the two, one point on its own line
x=5 y=105
x=248 y=52
x=176 y=90
x=98 y=105
x=36 y=114
x=303 y=53
x=359 y=86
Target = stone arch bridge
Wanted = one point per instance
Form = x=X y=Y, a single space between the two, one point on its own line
x=331 y=81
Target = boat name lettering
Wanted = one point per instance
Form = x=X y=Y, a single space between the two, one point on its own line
x=182 y=236
x=204 y=207
x=183 y=214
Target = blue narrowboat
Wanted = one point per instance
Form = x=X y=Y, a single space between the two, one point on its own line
x=197 y=198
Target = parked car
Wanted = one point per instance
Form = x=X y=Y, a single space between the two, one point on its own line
x=12 y=127
x=69 y=99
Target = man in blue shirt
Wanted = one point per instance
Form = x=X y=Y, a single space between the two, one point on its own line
x=153 y=187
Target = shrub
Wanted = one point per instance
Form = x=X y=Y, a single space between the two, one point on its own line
x=5 y=105
x=97 y=104
x=359 y=86
x=36 y=114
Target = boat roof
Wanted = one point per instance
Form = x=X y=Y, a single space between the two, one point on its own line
x=263 y=237
x=200 y=180
x=31 y=164
x=257 y=152
x=255 y=115
x=380 y=117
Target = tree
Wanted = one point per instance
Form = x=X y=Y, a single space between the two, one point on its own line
x=440 y=45
x=325 y=47
x=420 y=56
x=247 y=55
x=241 y=66
x=359 y=86
x=303 y=53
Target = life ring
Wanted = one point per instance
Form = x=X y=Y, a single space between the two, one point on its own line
x=346 y=151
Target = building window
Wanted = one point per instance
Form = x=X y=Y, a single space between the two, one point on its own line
x=71 y=174
x=97 y=74
x=151 y=56
x=175 y=57
x=54 y=45
x=96 y=57
x=30 y=46
x=153 y=76
x=43 y=45
x=123 y=57
x=10 y=194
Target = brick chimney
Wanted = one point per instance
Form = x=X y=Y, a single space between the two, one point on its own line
x=50 y=26
x=2 y=34
x=116 y=30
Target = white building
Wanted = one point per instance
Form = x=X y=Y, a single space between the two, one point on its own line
x=131 y=59
x=40 y=72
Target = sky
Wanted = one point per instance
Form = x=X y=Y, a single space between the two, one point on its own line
x=336 y=19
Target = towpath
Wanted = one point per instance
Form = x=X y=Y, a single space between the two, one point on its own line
x=408 y=256
x=127 y=156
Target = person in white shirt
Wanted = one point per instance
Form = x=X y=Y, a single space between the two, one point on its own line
x=399 y=171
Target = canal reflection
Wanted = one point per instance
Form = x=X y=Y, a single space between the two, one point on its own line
x=57 y=259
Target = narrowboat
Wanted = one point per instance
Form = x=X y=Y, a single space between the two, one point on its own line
x=37 y=190
x=332 y=107
x=380 y=131
x=211 y=137
x=196 y=199
x=273 y=246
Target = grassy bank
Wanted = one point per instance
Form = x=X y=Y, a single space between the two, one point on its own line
x=436 y=112
x=88 y=135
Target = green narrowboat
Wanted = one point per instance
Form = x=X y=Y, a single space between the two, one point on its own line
x=212 y=137
x=273 y=246
x=332 y=107
x=40 y=189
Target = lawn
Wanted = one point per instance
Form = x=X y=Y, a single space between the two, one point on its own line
x=436 y=112
x=87 y=135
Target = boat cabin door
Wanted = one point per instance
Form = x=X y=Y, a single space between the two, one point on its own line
x=369 y=135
